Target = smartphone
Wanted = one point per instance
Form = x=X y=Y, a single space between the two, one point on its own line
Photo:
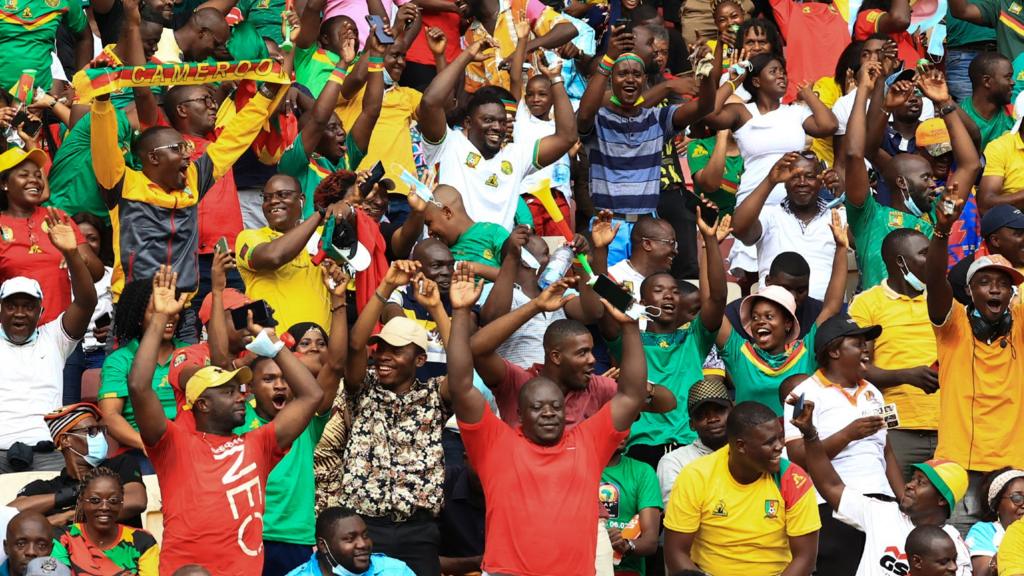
x=615 y=295
x=377 y=24
x=798 y=406
x=625 y=22
x=103 y=321
x=221 y=246
x=262 y=314
x=28 y=125
x=376 y=173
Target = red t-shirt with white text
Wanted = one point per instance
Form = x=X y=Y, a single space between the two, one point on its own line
x=214 y=494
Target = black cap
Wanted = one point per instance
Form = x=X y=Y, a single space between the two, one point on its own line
x=1001 y=216
x=710 y=389
x=842 y=326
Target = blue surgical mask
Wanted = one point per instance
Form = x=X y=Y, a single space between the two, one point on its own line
x=911 y=205
x=388 y=81
x=337 y=568
x=909 y=276
x=96 y=451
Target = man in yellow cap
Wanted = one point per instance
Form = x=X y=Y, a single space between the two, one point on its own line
x=927 y=500
x=213 y=471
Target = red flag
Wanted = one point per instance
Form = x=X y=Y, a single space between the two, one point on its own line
x=22 y=91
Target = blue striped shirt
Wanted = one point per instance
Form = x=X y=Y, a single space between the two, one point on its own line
x=625 y=158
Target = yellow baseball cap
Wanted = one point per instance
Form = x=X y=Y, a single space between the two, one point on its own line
x=15 y=156
x=933 y=136
x=212 y=377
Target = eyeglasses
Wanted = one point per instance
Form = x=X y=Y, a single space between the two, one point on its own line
x=672 y=243
x=90 y=431
x=185 y=147
x=1017 y=498
x=96 y=500
x=282 y=194
x=206 y=100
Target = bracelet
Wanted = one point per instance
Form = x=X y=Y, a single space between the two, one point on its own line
x=380 y=297
x=602 y=70
x=338 y=76
x=266 y=92
x=608 y=61
x=731 y=83
x=371 y=68
x=812 y=438
x=556 y=80
x=936 y=233
x=339 y=307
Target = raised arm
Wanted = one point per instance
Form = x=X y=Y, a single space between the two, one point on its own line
x=707 y=90
x=149 y=412
x=551 y=148
x=835 y=293
x=373 y=97
x=822 y=123
x=333 y=369
x=309 y=24
x=75 y=320
x=939 y=292
x=856 y=135
x=217 y=328
x=968 y=163
x=515 y=72
x=826 y=480
x=399 y=274
x=131 y=52
x=559 y=34
x=323 y=108
x=499 y=300
x=431 y=113
x=485 y=342
x=712 y=300
x=307 y=396
x=283 y=249
x=107 y=160
x=896 y=20
x=746 y=223
x=467 y=401
x=709 y=178
x=632 y=393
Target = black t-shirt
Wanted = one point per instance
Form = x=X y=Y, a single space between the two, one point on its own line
x=124 y=466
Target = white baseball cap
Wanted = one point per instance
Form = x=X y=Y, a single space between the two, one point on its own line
x=20 y=285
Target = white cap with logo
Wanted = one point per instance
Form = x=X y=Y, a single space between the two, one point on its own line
x=20 y=285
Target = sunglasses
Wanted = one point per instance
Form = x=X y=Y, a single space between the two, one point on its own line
x=185 y=148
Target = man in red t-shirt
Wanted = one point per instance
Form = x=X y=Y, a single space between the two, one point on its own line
x=568 y=362
x=816 y=35
x=538 y=480
x=214 y=513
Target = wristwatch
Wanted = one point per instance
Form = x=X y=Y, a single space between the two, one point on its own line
x=942 y=112
x=632 y=547
x=266 y=92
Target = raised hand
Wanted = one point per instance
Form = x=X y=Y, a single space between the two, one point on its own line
x=932 y=83
x=479 y=49
x=803 y=421
x=436 y=40
x=464 y=291
x=783 y=169
x=62 y=235
x=290 y=22
x=622 y=41
x=401 y=272
x=702 y=226
x=426 y=292
x=553 y=297
x=222 y=262
x=517 y=239
x=805 y=91
x=523 y=28
x=603 y=232
x=724 y=228
x=898 y=94
x=552 y=70
x=869 y=73
x=890 y=56
x=348 y=49
x=335 y=278
x=165 y=283
x=616 y=314
x=839 y=231
x=949 y=208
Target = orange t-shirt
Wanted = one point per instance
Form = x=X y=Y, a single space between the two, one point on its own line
x=532 y=528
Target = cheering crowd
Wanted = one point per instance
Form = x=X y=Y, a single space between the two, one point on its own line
x=511 y=287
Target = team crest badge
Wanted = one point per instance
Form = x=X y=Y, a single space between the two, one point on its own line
x=264 y=4
x=28 y=12
x=488 y=254
x=179 y=359
x=51 y=3
x=506 y=167
x=771 y=508
x=472 y=160
x=720 y=510
x=11 y=5
x=492 y=180
x=1014 y=8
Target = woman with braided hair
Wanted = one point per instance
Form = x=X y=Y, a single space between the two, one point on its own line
x=133 y=313
x=96 y=544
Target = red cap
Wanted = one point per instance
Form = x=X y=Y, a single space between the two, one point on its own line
x=195 y=356
x=232 y=299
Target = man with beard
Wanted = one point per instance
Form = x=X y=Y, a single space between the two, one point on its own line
x=926 y=500
x=744 y=509
x=212 y=469
x=344 y=546
x=708 y=406
x=979 y=363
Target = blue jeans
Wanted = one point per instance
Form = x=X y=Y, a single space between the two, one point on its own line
x=957 y=62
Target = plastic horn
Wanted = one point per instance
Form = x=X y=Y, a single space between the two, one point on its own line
x=547 y=200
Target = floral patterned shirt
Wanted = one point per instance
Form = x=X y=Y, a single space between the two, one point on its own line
x=394 y=463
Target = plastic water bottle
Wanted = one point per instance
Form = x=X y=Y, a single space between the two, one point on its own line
x=557 y=266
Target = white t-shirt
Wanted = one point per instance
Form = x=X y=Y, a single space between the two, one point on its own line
x=763 y=140
x=529 y=129
x=32 y=383
x=843 y=108
x=886 y=530
x=104 y=305
x=783 y=232
x=490 y=187
x=861 y=464
x=623 y=272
